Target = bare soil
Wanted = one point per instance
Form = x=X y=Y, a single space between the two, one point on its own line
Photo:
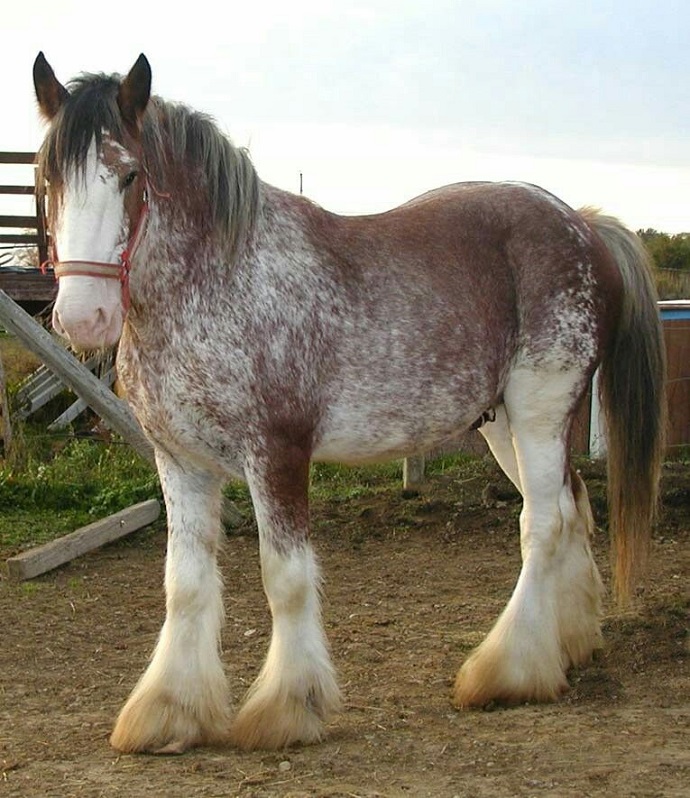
x=412 y=584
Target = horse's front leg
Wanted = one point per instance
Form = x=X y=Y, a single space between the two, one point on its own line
x=296 y=691
x=181 y=699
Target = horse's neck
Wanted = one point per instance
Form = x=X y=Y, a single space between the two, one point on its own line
x=183 y=273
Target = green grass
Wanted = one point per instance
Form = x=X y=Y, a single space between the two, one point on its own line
x=340 y=482
x=46 y=493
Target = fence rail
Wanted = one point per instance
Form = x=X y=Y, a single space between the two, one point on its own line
x=33 y=228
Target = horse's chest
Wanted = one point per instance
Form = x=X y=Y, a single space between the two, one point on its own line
x=182 y=405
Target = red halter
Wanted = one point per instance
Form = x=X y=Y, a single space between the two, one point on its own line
x=111 y=271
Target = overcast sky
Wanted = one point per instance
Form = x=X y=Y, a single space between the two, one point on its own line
x=380 y=100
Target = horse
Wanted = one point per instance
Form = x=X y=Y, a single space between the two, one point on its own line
x=259 y=332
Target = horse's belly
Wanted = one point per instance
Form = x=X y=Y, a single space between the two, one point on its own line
x=356 y=434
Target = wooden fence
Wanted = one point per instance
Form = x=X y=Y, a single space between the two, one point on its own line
x=26 y=285
x=676 y=319
x=33 y=227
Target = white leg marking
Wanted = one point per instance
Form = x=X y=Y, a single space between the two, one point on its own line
x=296 y=691
x=181 y=699
x=499 y=437
x=552 y=618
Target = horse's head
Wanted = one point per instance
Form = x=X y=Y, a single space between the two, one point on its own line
x=91 y=163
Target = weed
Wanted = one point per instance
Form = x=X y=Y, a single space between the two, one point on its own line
x=29 y=589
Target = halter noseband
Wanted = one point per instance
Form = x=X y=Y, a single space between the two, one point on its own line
x=111 y=271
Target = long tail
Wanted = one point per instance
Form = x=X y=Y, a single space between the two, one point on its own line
x=632 y=394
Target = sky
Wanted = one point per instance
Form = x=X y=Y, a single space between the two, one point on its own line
x=377 y=101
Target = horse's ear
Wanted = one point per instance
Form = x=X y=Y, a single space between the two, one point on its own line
x=50 y=93
x=134 y=92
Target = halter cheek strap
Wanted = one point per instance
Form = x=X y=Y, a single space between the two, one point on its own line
x=110 y=271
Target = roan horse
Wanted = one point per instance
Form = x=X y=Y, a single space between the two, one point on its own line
x=258 y=332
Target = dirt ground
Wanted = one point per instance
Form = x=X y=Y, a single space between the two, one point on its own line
x=412 y=584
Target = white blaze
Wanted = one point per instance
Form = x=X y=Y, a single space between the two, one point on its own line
x=91 y=226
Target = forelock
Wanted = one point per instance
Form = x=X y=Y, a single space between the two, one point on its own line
x=90 y=109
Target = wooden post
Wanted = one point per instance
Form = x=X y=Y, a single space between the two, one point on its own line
x=44 y=558
x=413 y=472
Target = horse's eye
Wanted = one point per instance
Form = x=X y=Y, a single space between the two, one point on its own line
x=131 y=177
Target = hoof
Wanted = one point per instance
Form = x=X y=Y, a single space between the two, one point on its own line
x=277 y=720
x=489 y=676
x=257 y=727
x=159 y=724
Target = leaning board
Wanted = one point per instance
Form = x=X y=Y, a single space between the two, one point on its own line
x=57 y=552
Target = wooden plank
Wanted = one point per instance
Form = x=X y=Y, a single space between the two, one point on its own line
x=19 y=238
x=38 y=389
x=73 y=412
x=28 y=285
x=44 y=558
x=40 y=397
x=18 y=157
x=13 y=189
x=18 y=221
x=32 y=384
x=78 y=407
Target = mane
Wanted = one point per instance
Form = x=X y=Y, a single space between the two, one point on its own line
x=178 y=144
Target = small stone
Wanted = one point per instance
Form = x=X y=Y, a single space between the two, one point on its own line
x=284 y=766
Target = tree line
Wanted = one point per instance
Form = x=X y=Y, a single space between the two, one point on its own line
x=671 y=258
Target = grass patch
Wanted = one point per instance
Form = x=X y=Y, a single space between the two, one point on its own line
x=46 y=495
x=24 y=529
x=340 y=482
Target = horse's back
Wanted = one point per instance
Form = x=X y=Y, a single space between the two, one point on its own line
x=511 y=254
x=485 y=265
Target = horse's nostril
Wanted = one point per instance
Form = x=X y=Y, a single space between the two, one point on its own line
x=101 y=318
x=57 y=323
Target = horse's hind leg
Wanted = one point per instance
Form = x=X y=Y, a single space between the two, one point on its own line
x=296 y=691
x=552 y=619
x=181 y=699
x=499 y=437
